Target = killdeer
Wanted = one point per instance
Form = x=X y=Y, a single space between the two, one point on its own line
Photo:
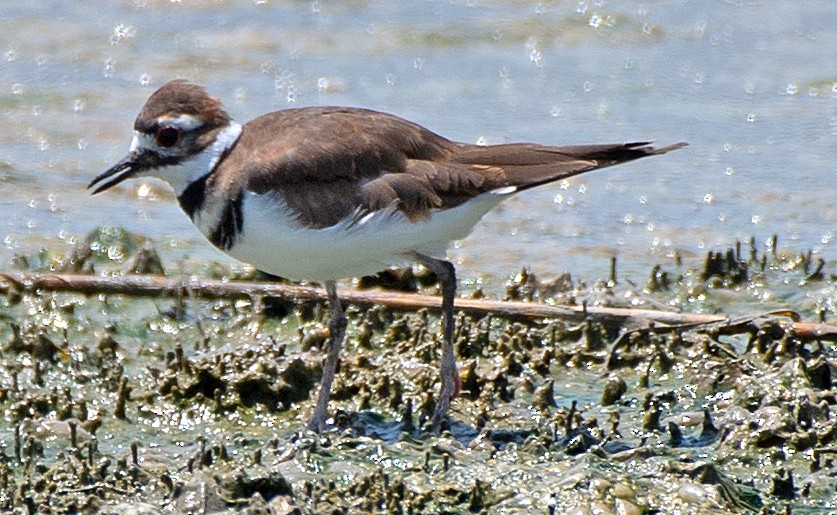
x=327 y=193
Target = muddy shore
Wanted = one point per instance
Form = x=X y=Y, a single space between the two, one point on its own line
x=123 y=404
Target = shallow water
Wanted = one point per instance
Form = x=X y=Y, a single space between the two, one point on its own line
x=749 y=85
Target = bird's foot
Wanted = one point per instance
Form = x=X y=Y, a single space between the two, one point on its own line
x=440 y=416
x=451 y=388
x=318 y=422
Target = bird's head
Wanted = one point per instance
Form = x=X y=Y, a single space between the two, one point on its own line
x=179 y=135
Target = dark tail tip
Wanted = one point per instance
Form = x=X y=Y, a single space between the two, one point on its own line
x=663 y=150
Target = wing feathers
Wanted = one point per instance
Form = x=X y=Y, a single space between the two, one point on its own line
x=414 y=196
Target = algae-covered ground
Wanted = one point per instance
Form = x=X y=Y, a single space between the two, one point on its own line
x=128 y=404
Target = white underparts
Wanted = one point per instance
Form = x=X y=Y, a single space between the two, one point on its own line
x=274 y=241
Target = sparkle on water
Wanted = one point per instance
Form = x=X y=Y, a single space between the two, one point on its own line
x=752 y=101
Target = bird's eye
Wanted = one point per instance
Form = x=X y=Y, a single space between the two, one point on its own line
x=168 y=137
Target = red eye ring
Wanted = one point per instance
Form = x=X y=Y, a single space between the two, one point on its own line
x=168 y=136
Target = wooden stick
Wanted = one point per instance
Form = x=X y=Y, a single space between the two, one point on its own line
x=160 y=286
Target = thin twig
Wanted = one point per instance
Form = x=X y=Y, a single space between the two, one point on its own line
x=160 y=286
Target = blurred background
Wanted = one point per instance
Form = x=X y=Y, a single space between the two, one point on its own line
x=752 y=86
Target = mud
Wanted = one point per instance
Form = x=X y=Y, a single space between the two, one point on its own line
x=120 y=405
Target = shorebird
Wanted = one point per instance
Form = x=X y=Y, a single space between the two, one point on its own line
x=328 y=193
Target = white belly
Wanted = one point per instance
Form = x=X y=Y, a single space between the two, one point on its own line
x=274 y=242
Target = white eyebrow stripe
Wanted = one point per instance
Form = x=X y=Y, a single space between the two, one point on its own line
x=184 y=122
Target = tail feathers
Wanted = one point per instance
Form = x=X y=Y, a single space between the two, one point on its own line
x=527 y=165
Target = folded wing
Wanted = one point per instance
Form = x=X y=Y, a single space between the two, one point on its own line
x=347 y=162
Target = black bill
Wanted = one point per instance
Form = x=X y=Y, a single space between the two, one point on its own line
x=124 y=169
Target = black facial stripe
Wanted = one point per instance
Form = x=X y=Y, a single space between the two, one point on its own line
x=229 y=225
x=148 y=159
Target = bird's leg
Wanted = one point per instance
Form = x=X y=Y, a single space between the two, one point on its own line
x=451 y=382
x=336 y=333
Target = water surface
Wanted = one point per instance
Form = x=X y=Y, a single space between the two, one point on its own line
x=751 y=86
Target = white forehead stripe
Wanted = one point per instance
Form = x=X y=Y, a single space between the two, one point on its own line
x=135 y=141
x=142 y=140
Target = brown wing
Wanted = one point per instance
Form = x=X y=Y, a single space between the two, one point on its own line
x=333 y=163
x=329 y=162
